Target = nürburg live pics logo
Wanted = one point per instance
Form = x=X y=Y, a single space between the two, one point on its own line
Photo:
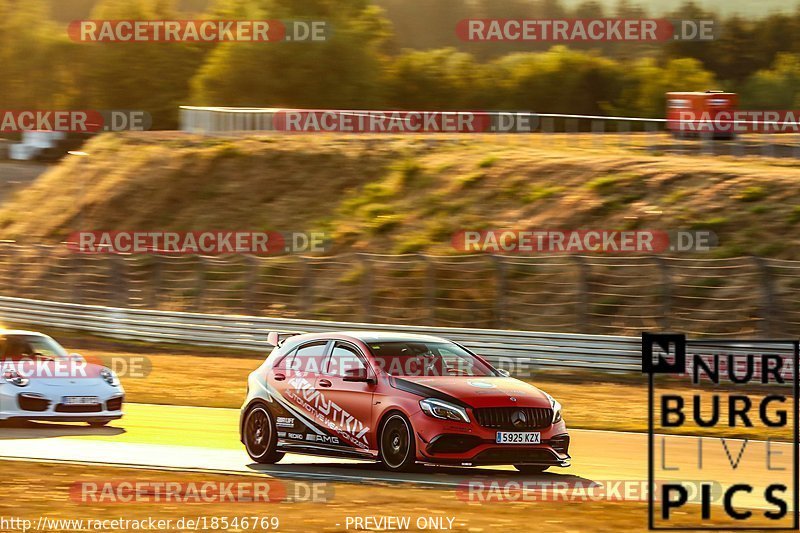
x=723 y=433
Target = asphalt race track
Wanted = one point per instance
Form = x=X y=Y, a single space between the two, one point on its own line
x=149 y=436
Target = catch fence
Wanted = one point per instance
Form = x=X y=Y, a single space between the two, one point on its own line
x=613 y=295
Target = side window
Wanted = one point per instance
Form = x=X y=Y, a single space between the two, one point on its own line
x=343 y=358
x=17 y=348
x=283 y=361
x=309 y=358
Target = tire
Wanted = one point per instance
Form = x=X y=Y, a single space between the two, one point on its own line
x=99 y=423
x=531 y=469
x=259 y=436
x=398 y=450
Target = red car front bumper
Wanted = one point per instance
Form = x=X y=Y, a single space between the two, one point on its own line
x=469 y=444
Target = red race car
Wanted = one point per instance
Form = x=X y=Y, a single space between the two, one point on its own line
x=400 y=399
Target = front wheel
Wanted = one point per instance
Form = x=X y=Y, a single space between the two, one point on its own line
x=99 y=423
x=397 y=448
x=260 y=439
x=531 y=469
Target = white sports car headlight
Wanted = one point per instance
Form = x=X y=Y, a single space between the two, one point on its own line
x=109 y=377
x=14 y=377
x=444 y=410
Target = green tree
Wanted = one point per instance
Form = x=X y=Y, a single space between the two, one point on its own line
x=774 y=88
x=646 y=84
x=588 y=9
x=343 y=71
x=557 y=81
x=31 y=68
x=734 y=57
x=149 y=76
x=436 y=79
x=426 y=24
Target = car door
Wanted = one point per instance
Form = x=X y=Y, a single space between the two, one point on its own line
x=350 y=402
x=293 y=382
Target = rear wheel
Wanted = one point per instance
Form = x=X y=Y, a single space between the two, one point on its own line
x=531 y=469
x=260 y=439
x=99 y=423
x=397 y=447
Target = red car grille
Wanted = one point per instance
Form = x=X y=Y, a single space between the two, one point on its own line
x=514 y=418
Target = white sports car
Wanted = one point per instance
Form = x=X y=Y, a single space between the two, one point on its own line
x=39 y=380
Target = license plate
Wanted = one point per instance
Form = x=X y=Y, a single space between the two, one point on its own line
x=518 y=437
x=80 y=400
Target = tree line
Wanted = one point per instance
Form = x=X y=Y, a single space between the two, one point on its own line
x=384 y=55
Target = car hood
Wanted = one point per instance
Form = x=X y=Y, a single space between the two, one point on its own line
x=475 y=391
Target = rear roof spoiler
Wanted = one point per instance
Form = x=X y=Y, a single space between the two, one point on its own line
x=277 y=338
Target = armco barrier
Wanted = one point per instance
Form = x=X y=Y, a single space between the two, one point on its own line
x=528 y=350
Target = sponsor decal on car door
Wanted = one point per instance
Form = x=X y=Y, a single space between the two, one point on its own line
x=287 y=379
x=347 y=405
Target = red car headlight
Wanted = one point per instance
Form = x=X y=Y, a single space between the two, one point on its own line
x=556 y=411
x=556 y=408
x=444 y=410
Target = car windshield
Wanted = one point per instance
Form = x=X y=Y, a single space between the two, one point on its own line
x=411 y=358
x=24 y=346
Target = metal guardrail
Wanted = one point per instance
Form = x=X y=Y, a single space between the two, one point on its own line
x=527 y=350
x=520 y=351
x=635 y=133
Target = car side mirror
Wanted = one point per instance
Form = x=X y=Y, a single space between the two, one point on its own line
x=356 y=375
x=503 y=372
